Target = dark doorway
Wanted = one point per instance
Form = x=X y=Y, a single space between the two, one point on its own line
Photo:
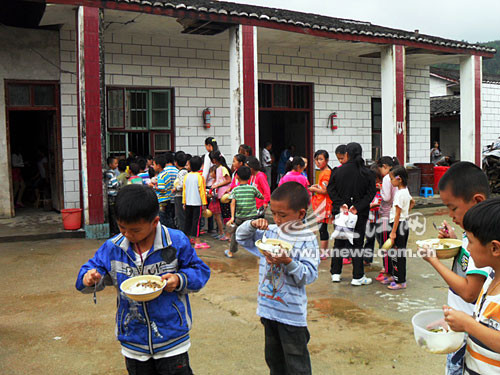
x=285 y=118
x=33 y=136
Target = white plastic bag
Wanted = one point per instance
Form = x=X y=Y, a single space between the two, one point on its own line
x=345 y=222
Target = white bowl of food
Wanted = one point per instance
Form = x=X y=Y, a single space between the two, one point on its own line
x=143 y=288
x=274 y=246
x=433 y=334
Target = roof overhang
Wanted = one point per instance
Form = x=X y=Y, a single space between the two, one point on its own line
x=221 y=17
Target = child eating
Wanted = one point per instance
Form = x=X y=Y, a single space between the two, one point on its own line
x=282 y=300
x=462 y=187
x=482 y=354
x=152 y=334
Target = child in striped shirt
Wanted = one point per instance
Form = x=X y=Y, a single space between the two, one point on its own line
x=243 y=205
x=282 y=300
x=482 y=354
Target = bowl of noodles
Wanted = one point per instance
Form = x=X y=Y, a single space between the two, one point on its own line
x=274 y=246
x=143 y=288
x=444 y=247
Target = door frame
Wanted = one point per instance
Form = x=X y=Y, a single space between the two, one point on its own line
x=309 y=135
x=57 y=109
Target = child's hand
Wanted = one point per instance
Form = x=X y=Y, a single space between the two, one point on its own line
x=392 y=236
x=172 y=282
x=353 y=210
x=428 y=254
x=446 y=231
x=261 y=224
x=279 y=259
x=344 y=208
x=91 y=277
x=457 y=320
x=230 y=222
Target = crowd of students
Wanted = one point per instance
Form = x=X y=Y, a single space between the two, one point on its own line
x=238 y=197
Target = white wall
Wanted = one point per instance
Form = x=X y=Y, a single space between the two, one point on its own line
x=346 y=85
x=198 y=69
x=438 y=87
x=21 y=52
x=490 y=130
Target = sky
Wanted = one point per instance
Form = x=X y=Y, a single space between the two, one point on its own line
x=472 y=21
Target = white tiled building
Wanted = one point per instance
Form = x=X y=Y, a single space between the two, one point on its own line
x=445 y=115
x=260 y=77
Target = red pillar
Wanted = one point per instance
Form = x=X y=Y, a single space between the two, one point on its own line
x=399 y=60
x=477 y=111
x=249 y=78
x=90 y=89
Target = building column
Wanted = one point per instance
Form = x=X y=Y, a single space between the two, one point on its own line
x=393 y=102
x=90 y=67
x=243 y=85
x=470 y=109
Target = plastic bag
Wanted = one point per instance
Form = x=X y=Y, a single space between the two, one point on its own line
x=345 y=222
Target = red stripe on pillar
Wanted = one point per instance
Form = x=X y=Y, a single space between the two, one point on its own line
x=399 y=61
x=248 y=86
x=93 y=113
x=477 y=109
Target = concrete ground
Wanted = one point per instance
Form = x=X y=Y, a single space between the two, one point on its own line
x=47 y=327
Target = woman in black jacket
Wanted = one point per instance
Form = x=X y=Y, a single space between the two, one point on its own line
x=352 y=187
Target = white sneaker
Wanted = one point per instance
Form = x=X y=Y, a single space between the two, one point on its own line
x=336 y=278
x=363 y=281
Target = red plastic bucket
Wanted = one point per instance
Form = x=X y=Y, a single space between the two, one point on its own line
x=438 y=173
x=72 y=218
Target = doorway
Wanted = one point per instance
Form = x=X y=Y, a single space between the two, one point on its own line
x=34 y=146
x=285 y=118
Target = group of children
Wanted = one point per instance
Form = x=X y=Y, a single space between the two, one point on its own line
x=150 y=338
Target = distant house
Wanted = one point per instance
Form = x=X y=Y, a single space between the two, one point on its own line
x=87 y=79
x=445 y=109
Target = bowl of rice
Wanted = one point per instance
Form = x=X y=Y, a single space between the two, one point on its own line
x=444 y=247
x=274 y=247
x=143 y=288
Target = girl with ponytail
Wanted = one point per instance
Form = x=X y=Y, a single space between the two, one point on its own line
x=387 y=192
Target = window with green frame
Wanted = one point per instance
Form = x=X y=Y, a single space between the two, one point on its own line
x=139 y=120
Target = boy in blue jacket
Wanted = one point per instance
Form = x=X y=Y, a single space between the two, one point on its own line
x=154 y=335
x=282 y=300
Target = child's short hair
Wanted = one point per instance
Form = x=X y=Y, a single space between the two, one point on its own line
x=253 y=162
x=293 y=192
x=376 y=171
x=122 y=165
x=181 y=159
x=483 y=220
x=134 y=168
x=169 y=157
x=341 y=150
x=465 y=179
x=195 y=162
x=141 y=162
x=244 y=173
x=160 y=160
x=390 y=161
x=401 y=172
x=110 y=159
x=267 y=143
x=135 y=203
x=322 y=152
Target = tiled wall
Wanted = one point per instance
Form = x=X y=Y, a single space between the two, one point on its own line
x=346 y=85
x=491 y=113
x=199 y=72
